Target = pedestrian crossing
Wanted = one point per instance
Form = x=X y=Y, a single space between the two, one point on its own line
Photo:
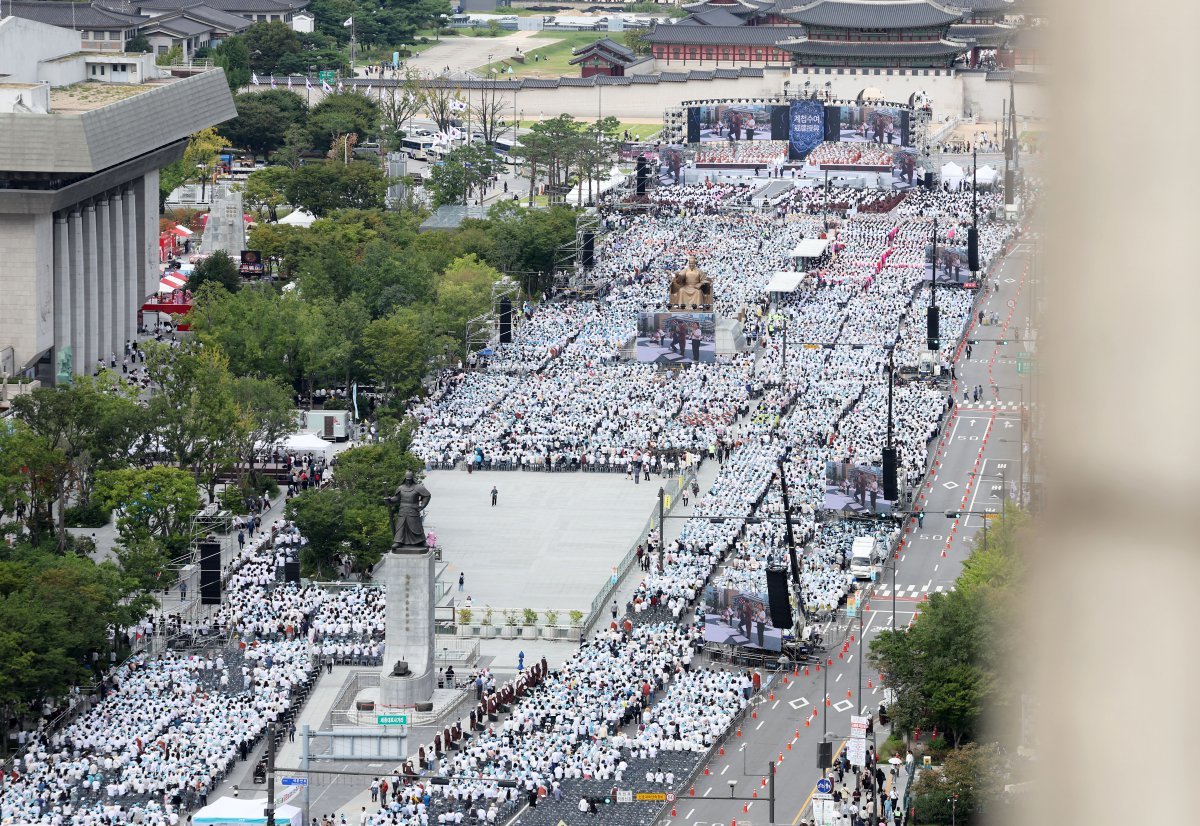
x=885 y=589
x=989 y=406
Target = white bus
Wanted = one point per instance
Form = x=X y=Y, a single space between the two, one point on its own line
x=417 y=148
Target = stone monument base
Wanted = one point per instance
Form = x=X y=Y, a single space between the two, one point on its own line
x=397 y=693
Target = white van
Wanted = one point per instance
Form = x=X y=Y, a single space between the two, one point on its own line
x=864 y=554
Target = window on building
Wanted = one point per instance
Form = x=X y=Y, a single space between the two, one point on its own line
x=114 y=35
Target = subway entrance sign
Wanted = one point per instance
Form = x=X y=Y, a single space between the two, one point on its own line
x=391 y=719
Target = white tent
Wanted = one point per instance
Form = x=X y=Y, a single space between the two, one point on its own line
x=615 y=178
x=298 y=218
x=810 y=248
x=306 y=443
x=952 y=173
x=986 y=175
x=785 y=282
x=233 y=810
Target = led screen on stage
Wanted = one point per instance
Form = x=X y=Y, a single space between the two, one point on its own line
x=671 y=339
x=869 y=123
x=806 y=128
x=736 y=617
x=858 y=488
x=780 y=123
x=731 y=122
x=693 y=124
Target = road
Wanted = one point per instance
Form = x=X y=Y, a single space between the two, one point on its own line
x=464 y=53
x=982 y=438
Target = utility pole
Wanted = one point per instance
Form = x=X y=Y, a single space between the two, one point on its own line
x=771 y=792
x=270 y=774
x=662 y=495
x=787 y=521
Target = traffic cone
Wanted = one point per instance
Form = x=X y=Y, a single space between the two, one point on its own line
x=692 y=791
x=797 y=731
x=870 y=683
x=785 y=679
x=789 y=746
x=722 y=752
x=806 y=670
x=772 y=695
x=796 y=671
x=739 y=731
x=831 y=661
x=841 y=655
x=705 y=774
x=672 y=810
x=764 y=782
x=847 y=694
x=754 y=714
x=851 y=638
x=807 y=722
x=780 y=757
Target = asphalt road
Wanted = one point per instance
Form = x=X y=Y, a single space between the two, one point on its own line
x=984 y=439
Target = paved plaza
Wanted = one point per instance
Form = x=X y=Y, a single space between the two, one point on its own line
x=550 y=542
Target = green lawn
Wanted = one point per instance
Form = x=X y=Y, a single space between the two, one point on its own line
x=556 y=56
x=640 y=131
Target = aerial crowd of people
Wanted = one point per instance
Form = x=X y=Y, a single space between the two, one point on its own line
x=631 y=700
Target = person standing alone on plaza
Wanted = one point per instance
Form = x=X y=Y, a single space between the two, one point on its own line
x=495 y=493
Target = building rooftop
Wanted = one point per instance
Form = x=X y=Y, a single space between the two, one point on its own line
x=84 y=97
x=72 y=15
x=723 y=35
x=873 y=14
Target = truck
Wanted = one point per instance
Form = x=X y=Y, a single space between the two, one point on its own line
x=334 y=425
x=864 y=556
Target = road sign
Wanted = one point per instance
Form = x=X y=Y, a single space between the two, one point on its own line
x=660 y=797
x=624 y=795
x=824 y=786
x=670 y=797
x=294 y=781
x=824 y=812
x=327 y=76
x=856 y=751
x=391 y=719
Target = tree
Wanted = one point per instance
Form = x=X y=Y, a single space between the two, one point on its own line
x=139 y=43
x=489 y=112
x=527 y=240
x=443 y=103
x=192 y=411
x=267 y=415
x=971 y=776
x=638 y=41
x=201 y=155
x=336 y=521
x=399 y=103
x=401 y=349
x=264 y=119
x=340 y=114
x=268 y=43
x=465 y=171
x=172 y=56
x=218 y=268
x=264 y=190
x=233 y=56
x=323 y=188
x=32 y=471
x=156 y=502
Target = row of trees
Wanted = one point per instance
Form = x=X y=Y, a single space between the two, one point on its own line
x=955 y=662
x=563 y=151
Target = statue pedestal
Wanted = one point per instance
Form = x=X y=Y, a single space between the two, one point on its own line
x=408 y=580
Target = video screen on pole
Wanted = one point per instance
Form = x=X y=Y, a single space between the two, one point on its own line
x=904 y=166
x=671 y=339
x=868 y=123
x=952 y=263
x=731 y=122
x=857 y=488
x=736 y=617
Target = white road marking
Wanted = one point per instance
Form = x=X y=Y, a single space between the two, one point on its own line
x=927 y=584
x=839 y=677
x=707 y=791
x=725 y=769
x=689 y=814
x=939 y=589
x=775 y=704
x=760 y=725
x=851 y=657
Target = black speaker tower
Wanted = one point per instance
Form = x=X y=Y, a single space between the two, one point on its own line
x=643 y=173
x=891 y=488
x=588 y=257
x=932 y=329
x=777 y=598
x=973 y=249
x=210 y=572
x=505 y=321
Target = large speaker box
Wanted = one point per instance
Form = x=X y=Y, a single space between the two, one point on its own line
x=777 y=598
x=588 y=257
x=210 y=572
x=505 y=321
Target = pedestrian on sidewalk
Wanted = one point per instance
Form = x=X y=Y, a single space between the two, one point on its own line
x=183 y=590
x=241 y=539
x=495 y=493
x=614 y=610
x=920 y=519
x=462 y=580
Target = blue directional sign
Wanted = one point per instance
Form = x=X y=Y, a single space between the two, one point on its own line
x=294 y=781
x=824 y=786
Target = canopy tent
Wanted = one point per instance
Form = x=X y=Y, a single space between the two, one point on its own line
x=181 y=231
x=233 y=810
x=298 y=218
x=172 y=281
x=952 y=173
x=305 y=443
x=810 y=248
x=785 y=282
x=986 y=175
x=615 y=178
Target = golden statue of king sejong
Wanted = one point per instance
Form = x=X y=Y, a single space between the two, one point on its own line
x=691 y=288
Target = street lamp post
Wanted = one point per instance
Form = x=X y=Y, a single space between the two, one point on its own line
x=984 y=514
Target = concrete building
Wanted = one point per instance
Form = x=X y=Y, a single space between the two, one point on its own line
x=79 y=163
